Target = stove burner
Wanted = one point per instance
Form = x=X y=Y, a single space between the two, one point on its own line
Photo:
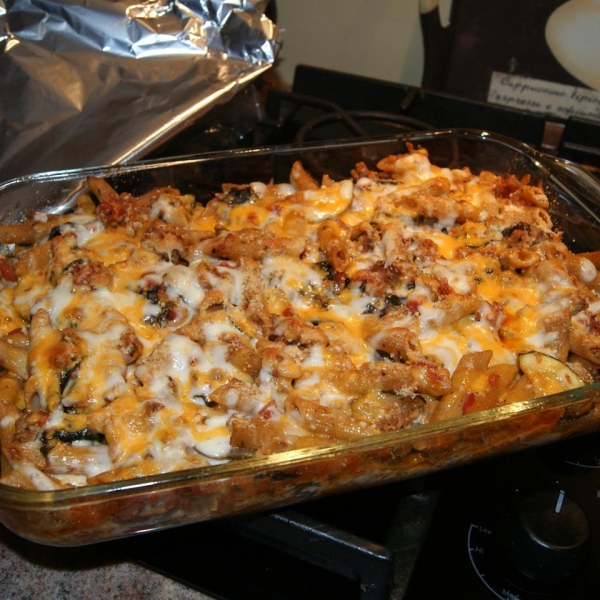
x=390 y=121
x=303 y=117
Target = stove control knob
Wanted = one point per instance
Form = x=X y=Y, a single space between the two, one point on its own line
x=547 y=537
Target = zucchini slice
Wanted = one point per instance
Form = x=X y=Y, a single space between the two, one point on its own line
x=547 y=374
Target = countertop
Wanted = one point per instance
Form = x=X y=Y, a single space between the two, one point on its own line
x=29 y=570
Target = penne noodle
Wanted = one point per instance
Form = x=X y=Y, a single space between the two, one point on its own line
x=13 y=358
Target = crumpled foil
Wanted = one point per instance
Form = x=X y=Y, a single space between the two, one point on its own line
x=98 y=82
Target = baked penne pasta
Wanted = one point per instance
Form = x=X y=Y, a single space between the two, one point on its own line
x=140 y=335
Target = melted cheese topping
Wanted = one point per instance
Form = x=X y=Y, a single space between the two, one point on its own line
x=165 y=335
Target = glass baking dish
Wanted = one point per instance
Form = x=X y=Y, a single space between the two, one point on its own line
x=95 y=513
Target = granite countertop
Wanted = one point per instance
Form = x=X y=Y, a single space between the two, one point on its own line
x=30 y=570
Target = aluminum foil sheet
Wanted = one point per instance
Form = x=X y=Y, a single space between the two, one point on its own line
x=98 y=82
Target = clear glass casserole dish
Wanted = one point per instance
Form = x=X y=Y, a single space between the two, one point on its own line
x=89 y=514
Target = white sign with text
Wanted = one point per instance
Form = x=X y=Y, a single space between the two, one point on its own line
x=546 y=97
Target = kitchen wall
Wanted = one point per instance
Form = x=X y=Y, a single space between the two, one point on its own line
x=376 y=38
